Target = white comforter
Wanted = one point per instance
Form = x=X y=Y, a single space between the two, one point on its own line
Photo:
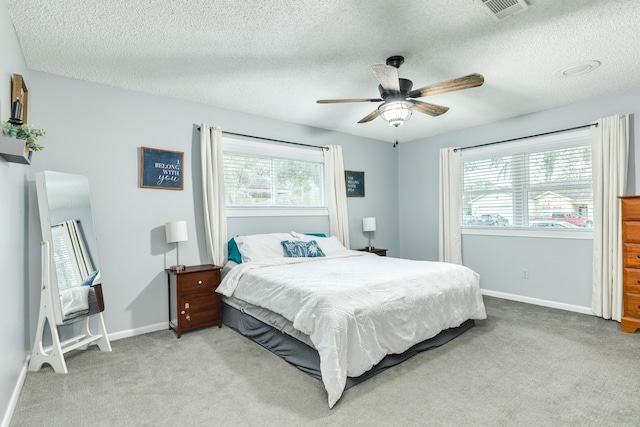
x=357 y=307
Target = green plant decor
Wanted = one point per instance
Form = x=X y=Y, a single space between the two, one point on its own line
x=26 y=132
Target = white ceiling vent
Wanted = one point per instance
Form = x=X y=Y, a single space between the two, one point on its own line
x=503 y=9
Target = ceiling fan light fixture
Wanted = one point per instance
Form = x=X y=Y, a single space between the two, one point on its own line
x=396 y=113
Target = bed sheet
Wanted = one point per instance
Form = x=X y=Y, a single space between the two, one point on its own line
x=359 y=307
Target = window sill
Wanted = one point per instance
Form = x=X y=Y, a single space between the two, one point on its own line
x=586 y=234
x=261 y=211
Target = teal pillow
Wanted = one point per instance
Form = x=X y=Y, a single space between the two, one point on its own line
x=234 y=252
x=298 y=249
x=315 y=234
x=92 y=278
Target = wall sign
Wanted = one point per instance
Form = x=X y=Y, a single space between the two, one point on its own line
x=161 y=169
x=355 y=183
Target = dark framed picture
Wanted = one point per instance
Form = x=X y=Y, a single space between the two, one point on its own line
x=355 y=183
x=161 y=169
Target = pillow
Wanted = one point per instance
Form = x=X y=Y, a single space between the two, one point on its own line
x=298 y=248
x=89 y=281
x=258 y=247
x=315 y=234
x=327 y=244
x=234 y=253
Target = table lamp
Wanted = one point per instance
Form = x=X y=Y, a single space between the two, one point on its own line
x=176 y=232
x=369 y=225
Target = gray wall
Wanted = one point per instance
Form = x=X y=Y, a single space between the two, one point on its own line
x=559 y=270
x=95 y=130
x=14 y=340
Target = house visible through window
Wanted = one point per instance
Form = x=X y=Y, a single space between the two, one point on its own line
x=275 y=177
x=544 y=182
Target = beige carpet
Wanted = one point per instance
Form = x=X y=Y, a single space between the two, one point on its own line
x=525 y=365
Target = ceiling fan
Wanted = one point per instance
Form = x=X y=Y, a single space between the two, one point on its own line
x=396 y=94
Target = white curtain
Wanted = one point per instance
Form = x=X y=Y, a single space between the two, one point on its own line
x=610 y=151
x=336 y=193
x=449 y=235
x=215 y=213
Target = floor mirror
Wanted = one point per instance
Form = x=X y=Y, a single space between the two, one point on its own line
x=71 y=287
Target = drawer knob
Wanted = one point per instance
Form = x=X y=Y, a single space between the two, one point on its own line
x=200 y=281
x=182 y=312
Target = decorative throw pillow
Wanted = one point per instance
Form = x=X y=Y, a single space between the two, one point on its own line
x=91 y=279
x=327 y=244
x=298 y=248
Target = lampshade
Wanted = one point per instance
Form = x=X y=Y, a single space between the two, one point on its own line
x=176 y=231
x=369 y=224
x=396 y=113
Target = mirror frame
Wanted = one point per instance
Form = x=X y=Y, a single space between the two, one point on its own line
x=45 y=225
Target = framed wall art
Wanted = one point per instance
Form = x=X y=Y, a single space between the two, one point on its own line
x=161 y=169
x=20 y=93
x=355 y=183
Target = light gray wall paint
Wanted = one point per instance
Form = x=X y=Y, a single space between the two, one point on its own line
x=559 y=270
x=96 y=130
x=14 y=341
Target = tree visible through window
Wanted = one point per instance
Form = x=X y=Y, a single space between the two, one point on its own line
x=258 y=180
x=541 y=187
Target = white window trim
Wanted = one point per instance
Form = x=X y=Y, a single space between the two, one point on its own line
x=541 y=143
x=586 y=234
x=276 y=211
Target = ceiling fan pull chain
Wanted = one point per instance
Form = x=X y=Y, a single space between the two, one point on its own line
x=395 y=136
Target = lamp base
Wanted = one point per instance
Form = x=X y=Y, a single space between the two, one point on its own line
x=370 y=248
x=177 y=267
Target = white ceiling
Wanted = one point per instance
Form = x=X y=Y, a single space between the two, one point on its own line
x=276 y=58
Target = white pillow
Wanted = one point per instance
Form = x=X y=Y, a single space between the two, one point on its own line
x=258 y=247
x=327 y=244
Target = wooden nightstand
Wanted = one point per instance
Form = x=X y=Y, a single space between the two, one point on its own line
x=377 y=251
x=193 y=300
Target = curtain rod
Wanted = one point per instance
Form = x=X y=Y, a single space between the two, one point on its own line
x=273 y=140
x=530 y=136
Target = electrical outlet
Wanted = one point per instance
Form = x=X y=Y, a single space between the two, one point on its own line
x=525 y=273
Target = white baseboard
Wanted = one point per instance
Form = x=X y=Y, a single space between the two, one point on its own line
x=138 y=331
x=6 y=420
x=536 y=301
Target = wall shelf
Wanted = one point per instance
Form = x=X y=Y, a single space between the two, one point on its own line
x=15 y=150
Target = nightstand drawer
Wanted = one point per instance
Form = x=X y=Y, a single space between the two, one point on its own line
x=199 y=282
x=198 y=310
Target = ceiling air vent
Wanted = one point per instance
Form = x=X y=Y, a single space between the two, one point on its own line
x=503 y=9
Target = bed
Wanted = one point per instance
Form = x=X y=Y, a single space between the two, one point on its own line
x=354 y=309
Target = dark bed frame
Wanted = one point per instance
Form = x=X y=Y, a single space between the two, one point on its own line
x=307 y=358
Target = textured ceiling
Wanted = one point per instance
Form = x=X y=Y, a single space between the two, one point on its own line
x=276 y=58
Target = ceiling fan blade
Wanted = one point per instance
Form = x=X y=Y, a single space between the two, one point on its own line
x=375 y=113
x=427 y=108
x=388 y=77
x=337 y=101
x=466 y=82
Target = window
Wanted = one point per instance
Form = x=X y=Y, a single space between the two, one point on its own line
x=270 y=179
x=539 y=183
